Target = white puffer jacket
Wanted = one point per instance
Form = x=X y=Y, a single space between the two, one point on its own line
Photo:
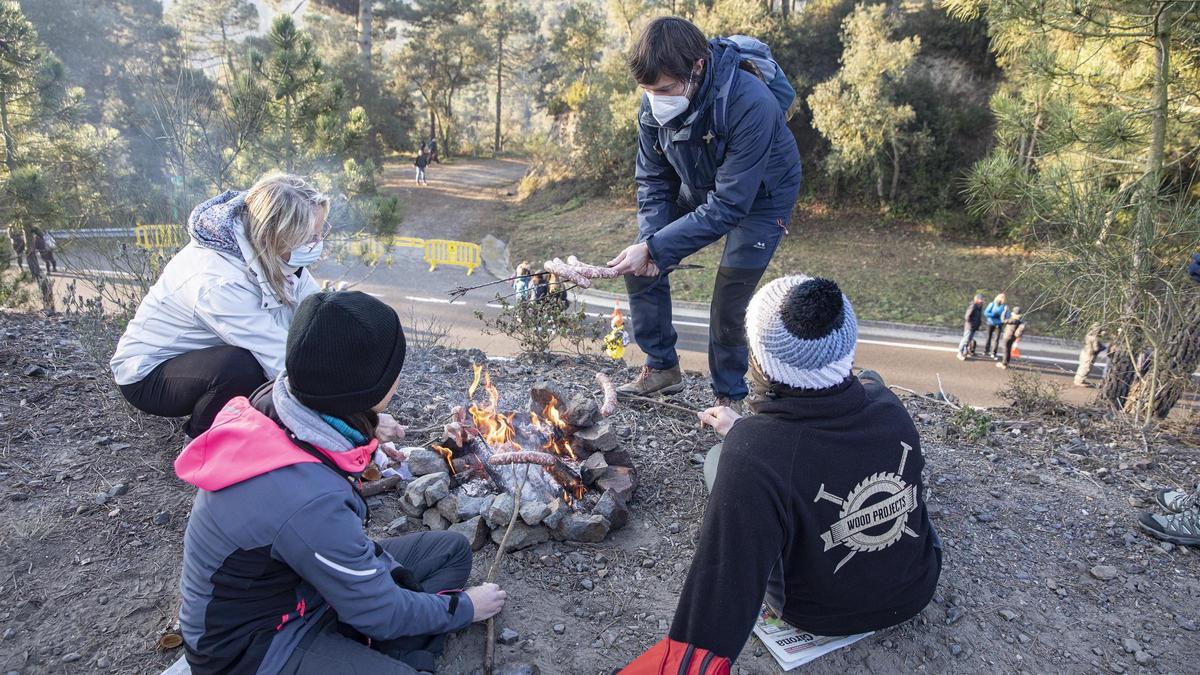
x=206 y=298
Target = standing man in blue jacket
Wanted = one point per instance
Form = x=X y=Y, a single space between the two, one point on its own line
x=715 y=159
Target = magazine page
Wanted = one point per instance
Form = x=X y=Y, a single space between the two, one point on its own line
x=793 y=647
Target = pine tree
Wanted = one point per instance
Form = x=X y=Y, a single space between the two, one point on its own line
x=296 y=77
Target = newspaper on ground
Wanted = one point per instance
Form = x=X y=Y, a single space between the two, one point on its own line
x=793 y=647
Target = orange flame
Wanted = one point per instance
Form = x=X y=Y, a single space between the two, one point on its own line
x=618 y=319
x=556 y=444
x=447 y=455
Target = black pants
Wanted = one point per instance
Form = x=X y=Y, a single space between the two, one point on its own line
x=998 y=332
x=439 y=561
x=198 y=384
x=48 y=260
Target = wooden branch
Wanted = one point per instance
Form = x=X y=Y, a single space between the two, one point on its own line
x=489 y=646
x=927 y=398
x=382 y=485
x=664 y=404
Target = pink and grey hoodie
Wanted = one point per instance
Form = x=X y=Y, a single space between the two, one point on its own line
x=276 y=539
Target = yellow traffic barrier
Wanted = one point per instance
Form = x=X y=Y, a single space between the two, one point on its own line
x=459 y=253
x=407 y=242
x=159 y=237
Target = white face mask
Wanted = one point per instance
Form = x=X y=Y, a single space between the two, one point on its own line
x=305 y=254
x=666 y=108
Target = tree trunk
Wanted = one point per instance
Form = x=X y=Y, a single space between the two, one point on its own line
x=289 y=151
x=227 y=52
x=10 y=140
x=895 y=170
x=499 y=85
x=1118 y=377
x=432 y=121
x=366 y=17
x=785 y=8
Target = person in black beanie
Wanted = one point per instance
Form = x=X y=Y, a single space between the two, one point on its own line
x=278 y=574
x=817 y=507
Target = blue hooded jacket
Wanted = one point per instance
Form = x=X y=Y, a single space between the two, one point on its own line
x=694 y=186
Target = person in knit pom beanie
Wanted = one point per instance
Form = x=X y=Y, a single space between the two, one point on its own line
x=278 y=574
x=816 y=507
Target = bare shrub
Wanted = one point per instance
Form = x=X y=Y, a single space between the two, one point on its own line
x=1030 y=393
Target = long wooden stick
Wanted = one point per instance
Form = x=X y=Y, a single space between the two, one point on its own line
x=655 y=401
x=489 y=647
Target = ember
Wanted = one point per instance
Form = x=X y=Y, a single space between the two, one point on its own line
x=489 y=453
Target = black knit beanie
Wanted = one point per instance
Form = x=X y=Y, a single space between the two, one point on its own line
x=344 y=352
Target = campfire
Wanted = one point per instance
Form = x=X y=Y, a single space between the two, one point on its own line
x=560 y=455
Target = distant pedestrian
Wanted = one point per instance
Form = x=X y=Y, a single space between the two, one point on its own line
x=971 y=322
x=558 y=292
x=523 y=284
x=421 y=162
x=541 y=286
x=1087 y=356
x=1194 y=268
x=18 y=245
x=994 y=314
x=1014 y=328
x=433 y=150
x=44 y=244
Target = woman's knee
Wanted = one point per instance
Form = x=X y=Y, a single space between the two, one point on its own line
x=237 y=370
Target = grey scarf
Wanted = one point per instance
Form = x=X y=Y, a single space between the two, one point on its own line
x=305 y=422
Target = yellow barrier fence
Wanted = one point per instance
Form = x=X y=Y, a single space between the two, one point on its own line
x=159 y=237
x=458 y=253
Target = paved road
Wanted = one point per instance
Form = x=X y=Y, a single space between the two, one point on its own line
x=467 y=198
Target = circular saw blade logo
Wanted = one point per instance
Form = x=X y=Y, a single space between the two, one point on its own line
x=855 y=519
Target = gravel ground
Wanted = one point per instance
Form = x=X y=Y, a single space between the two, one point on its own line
x=1044 y=569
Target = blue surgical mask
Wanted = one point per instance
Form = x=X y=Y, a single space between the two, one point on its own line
x=305 y=254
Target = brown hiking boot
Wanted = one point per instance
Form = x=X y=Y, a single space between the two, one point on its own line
x=652 y=381
x=726 y=402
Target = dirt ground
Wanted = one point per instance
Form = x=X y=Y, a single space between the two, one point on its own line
x=92 y=519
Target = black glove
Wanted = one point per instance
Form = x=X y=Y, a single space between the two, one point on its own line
x=1194 y=268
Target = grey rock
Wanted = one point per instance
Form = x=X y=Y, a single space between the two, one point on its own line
x=586 y=584
x=428 y=490
x=475 y=530
x=1105 y=572
x=578 y=527
x=953 y=615
x=673 y=528
x=985 y=517
x=523 y=536
x=596 y=438
x=34 y=371
x=508 y=636
x=581 y=412
x=1007 y=614
x=593 y=468
x=71 y=657
x=104 y=662
x=448 y=507
x=501 y=510
x=18 y=496
x=101 y=498
x=1187 y=624
x=423 y=461
x=542 y=392
x=560 y=628
x=434 y=520
x=614 y=510
x=1130 y=645
x=1143 y=657
x=955 y=649
x=9 y=633
x=557 y=510
x=534 y=512
x=118 y=490
x=469 y=507
x=162 y=518
x=412 y=510
x=621 y=480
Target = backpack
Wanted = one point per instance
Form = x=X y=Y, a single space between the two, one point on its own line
x=756 y=57
x=50 y=243
x=669 y=657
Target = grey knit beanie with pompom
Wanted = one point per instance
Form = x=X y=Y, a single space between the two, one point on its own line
x=802 y=331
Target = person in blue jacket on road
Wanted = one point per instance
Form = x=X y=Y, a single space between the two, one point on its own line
x=715 y=159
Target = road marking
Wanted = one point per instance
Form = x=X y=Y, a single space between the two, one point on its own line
x=415 y=298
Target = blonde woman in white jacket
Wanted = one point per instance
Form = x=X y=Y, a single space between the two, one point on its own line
x=213 y=326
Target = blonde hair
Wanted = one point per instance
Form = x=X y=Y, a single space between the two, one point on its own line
x=1001 y=299
x=281 y=214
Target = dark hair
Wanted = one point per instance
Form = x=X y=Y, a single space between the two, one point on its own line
x=364 y=422
x=668 y=46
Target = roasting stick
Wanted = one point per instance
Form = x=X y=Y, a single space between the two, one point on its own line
x=460 y=291
x=654 y=401
x=489 y=647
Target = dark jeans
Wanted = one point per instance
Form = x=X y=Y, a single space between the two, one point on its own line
x=998 y=332
x=748 y=249
x=198 y=384
x=439 y=561
x=48 y=260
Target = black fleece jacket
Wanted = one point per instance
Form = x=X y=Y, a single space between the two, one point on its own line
x=828 y=485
